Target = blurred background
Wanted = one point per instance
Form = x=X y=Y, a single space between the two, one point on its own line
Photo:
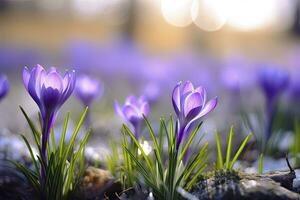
x=144 y=47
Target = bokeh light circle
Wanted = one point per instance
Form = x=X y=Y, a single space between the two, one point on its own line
x=177 y=12
x=209 y=15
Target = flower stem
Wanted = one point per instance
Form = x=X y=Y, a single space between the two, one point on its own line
x=47 y=123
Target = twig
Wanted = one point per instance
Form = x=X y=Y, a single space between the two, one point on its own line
x=288 y=163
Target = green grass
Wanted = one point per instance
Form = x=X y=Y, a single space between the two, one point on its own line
x=65 y=165
x=164 y=176
x=228 y=162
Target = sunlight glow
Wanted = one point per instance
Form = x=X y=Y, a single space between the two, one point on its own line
x=209 y=15
x=177 y=12
x=250 y=14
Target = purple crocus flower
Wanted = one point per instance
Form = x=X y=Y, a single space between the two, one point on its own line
x=132 y=111
x=87 y=89
x=49 y=90
x=4 y=86
x=190 y=105
x=273 y=81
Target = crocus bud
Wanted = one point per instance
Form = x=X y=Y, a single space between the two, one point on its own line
x=190 y=105
x=132 y=111
x=4 y=86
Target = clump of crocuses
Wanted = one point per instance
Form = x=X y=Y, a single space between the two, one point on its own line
x=190 y=105
x=4 y=86
x=49 y=89
x=88 y=89
x=58 y=167
x=132 y=111
x=273 y=81
x=164 y=172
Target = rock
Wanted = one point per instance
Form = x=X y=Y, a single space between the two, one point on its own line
x=137 y=192
x=95 y=183
x=241 y=186
x=13 y=185
x=284 y=178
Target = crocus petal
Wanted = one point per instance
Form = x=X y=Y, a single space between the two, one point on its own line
x=192 y=102
x=131 y=100
x=26 y=77
x=187 y=87
x=176 y=98
x=131 y=114
x=118 y=109
x=34 y=84
x=70 y=86
x=66 y=80
x=202 y=92
x=145 y=109
x=50 y=98
x=53 y=80
x=209 y=106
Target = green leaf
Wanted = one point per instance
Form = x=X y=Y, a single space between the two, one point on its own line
x=260 y=164
x=227 y=163
x=150 y=166
x=35 y=133
x=187 y=144
x=240 y=150
x=30 y=175
x=198 y=160
x=71 y=142
x=53 y=140
x=220 y=157
x=63 y=135
x=148 y=177
x=157 y=150
x=195 y=177
x=31 y=155
x=172 y=137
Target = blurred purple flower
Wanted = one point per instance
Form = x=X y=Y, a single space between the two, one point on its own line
x=294 y=88
x=190 y=105
x=152 y=91
x=236 y=75
x=4 y=86
x=49 y=90
x=87 y=89
x=273 y=81
x=132 y=111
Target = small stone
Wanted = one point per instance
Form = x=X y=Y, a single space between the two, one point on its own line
x=95 y=182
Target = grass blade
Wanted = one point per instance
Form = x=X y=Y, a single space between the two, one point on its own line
x=191 y=138
x=260 y=164
x=141 y=149
x=63 y=135
x=227 y=163
x=220 y=157
x=240 y=150
x=157 y=150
